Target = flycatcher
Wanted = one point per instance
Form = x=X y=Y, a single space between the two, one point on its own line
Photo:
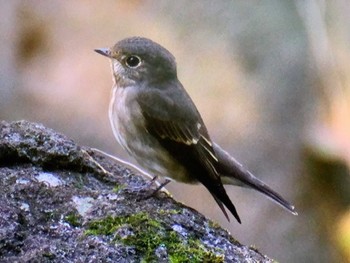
x=155 y=121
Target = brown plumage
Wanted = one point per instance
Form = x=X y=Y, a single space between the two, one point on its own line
x=155 y=120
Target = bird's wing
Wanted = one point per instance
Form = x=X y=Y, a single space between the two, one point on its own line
x=172 y=118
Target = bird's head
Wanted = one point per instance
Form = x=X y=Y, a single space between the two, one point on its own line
x=139 y=60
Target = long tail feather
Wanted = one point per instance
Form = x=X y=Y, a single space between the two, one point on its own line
x=230 y=207
x=232 y=172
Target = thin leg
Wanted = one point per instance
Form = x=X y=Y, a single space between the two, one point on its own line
x=149 y=184
x=157 y=189
x=161 y=185
x=154 y=179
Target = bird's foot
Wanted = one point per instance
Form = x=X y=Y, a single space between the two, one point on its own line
x=147 y=191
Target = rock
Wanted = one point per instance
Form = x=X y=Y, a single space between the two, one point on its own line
x=61 y=202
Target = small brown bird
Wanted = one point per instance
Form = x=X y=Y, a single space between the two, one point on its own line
x=155 y=121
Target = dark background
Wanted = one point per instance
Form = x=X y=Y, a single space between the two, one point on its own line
x=270 y=78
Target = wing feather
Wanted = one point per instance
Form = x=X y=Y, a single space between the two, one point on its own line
x=171 y=117
x=175 y=118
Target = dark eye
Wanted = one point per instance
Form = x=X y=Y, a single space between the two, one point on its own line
x=133 y=61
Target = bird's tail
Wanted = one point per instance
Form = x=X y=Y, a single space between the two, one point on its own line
x=232 y=172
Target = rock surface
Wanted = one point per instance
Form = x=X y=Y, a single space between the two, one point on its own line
x=60 y=202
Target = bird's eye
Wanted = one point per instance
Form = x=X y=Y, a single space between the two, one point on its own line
x=133 y=61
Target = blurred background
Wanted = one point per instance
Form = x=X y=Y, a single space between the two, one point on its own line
x=270 y=78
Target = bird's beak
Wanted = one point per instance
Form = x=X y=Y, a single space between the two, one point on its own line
x=104 y=51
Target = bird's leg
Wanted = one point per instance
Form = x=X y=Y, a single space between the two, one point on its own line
x=154 y=179
x=148 y=185
x=153 y=192
x=161 y=185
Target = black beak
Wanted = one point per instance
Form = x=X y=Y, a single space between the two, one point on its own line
x=104 y=52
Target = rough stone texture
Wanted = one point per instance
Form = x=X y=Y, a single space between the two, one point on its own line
x=51 y=190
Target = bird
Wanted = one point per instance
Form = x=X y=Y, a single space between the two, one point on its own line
x=154 y=119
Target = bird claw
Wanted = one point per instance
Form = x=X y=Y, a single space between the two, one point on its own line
x=146 y=191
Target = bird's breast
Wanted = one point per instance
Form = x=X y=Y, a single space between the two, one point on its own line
x=129 y=128
x=123 y=114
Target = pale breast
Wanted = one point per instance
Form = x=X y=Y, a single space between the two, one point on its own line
x=128 y=127
x=122 y=109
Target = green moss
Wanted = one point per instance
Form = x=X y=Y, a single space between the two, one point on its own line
x=213 y=224
x=73 y=219
x=117 y=188
x=169 y=211
x=148 y=234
